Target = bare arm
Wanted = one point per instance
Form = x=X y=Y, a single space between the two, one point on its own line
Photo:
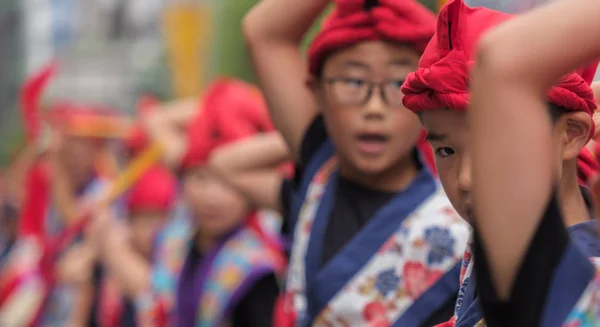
x=63 y=193
x=167 y=125
x=129 y=269
x=513 y=183
x=273 y=30
x=17 y=171
x=83 y=305
x=250 y=166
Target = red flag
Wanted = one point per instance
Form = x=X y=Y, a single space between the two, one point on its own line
x=31 y=94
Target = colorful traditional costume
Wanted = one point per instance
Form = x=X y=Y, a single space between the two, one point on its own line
x=193 y=289
x=442 y=82
x=28 y=294
x=362 y=257
x=155 y=190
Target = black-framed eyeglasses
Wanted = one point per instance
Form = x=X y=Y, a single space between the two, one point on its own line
x=356 y=91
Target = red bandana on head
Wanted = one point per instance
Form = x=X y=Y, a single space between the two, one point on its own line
x=232 y=110
x=587 y=167
x=353 y=21
x=443 y=75
x=87 y=121
x=76 y=119
x=156 y=189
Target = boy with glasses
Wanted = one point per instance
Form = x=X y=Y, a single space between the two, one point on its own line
x=376 y=241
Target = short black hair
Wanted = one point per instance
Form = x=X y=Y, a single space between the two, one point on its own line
x=370 y=4
x=556 y=112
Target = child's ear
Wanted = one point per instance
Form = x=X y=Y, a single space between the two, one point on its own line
x=576 y=128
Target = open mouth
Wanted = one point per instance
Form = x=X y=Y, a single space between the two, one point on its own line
x=372 y=143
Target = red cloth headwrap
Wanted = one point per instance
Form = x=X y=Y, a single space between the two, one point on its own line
x=87 y=121
x=156 y=189
x=351 y=22
x=587 y=167
x=232 y=110
x=443 y=75
x=30 y=98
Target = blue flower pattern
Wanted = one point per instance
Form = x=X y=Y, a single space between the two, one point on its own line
x=441 y=243
x=387 y=282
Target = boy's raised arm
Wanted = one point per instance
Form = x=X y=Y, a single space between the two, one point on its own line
x=250 y=165
x=274 y=30
x=168 y=126
x=514 y=161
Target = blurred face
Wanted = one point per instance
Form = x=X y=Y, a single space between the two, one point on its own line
x=359 y=95
x=77 y=157
x=448 y=135
x=143 y=224
x=218 y=207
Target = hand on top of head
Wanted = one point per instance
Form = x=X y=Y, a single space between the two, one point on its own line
x=353 y=21
x=232 y=110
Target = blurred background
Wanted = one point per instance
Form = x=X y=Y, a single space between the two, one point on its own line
x=112 y=51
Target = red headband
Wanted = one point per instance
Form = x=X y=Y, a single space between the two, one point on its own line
x=443 y=75
x=232 y=110
x=354 y=21
x=587 y=166
x=156 y=189
x=88 y=121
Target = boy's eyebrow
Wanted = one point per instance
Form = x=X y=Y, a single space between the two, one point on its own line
x=400 y=62
x=435 y=137
x=356 y=64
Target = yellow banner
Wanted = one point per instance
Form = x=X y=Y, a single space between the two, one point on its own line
x=134 y=171
x=441 y=3
x=186 y=26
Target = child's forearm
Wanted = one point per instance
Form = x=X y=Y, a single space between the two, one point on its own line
x=129 y=269
x=514 y=158
x=83 y=305
x=255 y=153
x=17 y=171
x=63 y=194
x=282 y=20
x=250 y=166
x=565 y=35
x=273 y=30
x=167 y=126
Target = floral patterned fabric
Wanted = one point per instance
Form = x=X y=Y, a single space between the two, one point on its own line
x=63 y=297
x=240 y=257
x=26 y=303
x=586 y=312
x=427 y=245
x=583 y=236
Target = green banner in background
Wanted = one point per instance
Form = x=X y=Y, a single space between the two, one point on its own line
x=228 y=51
x=229 y=56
